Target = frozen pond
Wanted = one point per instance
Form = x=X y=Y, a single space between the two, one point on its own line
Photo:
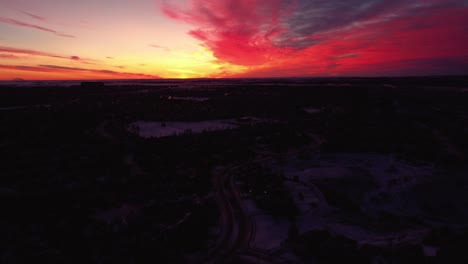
x=164 y=129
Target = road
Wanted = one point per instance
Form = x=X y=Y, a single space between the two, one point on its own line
x=236 y=225
x=237 y=228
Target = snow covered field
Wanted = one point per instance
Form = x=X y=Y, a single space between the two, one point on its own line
x=154 y=129
x=164 y=129
x=387 y=176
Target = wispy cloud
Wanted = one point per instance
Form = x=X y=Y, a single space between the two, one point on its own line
x=40 y=18
x=8 y=56
x=25 y=68
x=75 y=70
x=97 y=71
x=30 y=52
x=11 y=51
x=27 y=25
x=159 y=47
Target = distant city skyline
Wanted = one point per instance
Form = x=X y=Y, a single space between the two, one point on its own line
x=125 y=39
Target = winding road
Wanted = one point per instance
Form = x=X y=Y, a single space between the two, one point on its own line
x=237 y=228
x=236 y=225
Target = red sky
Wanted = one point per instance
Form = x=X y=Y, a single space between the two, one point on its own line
x=125 y=39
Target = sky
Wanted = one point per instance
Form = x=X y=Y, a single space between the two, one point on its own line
x=139 y=39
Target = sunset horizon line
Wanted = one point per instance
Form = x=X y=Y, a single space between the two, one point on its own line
x=241 y=78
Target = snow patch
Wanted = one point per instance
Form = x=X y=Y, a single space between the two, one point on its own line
x=164 y=129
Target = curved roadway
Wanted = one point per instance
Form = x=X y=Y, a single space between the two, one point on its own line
x=237 y=228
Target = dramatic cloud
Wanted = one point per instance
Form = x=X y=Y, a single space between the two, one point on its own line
x=75 y=58
x=314 y=16
x=237 y=31
x=330 y=37
x=27 y=25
